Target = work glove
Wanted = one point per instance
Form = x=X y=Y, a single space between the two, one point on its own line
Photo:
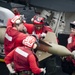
x=69 y=40
x=73 y=53
x=35 y=36
x=11 y=70
x=13 y=74
x=43 y=35
x=43 y=70
x=37 y=39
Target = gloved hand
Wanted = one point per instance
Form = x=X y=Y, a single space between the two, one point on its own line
x=43 y=70
x=69 y=40
x=12 y=74
x=73 y=53
x=11 y=70
x=43 y=35
x=35 y=36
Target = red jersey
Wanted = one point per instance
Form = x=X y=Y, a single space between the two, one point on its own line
x=23 y=59
x=71 y=47
x=45 y=29
x=13 y=39
x=30 y=27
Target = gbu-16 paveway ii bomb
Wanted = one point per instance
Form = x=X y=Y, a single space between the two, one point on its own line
x=44 y=45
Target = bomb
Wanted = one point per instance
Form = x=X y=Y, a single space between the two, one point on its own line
x=44 y=45
x=54 y=49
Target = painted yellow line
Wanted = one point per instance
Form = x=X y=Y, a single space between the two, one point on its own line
x=1 y=60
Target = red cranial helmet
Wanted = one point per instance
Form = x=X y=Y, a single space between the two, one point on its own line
x=37 y=19
x=17 y=20
x=29 y=41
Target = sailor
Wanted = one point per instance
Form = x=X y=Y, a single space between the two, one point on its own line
x=68 y=65
x=16 y=32
x=24 y=59
x=40 y=30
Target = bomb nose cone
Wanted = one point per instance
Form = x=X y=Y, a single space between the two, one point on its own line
x=59 y=50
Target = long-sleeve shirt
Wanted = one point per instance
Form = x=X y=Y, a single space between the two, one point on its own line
x=23 y=59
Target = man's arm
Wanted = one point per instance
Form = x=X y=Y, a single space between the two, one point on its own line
x=8 y=60
x=33 y=65
x=9 y=24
